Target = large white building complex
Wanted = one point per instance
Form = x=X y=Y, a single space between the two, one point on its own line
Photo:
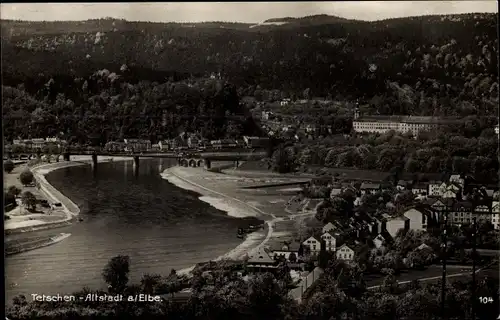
x=403 y=124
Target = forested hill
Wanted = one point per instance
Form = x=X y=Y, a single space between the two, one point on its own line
x=432 y=55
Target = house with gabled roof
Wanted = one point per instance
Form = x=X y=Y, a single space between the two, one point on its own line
x=418 y=218
x=379 y=241
x=330 y=241
x=261 y=261
x=393 y=225
x=314 y=244
x=419 y=188
x=286 y=251
x=329 y=227
x=345 y=253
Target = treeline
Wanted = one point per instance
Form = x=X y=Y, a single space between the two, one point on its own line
x=420 y=65
x=221 y=294
x=469 y=148
x=108 y=105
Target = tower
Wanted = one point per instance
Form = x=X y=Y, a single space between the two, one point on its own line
x=356 y=113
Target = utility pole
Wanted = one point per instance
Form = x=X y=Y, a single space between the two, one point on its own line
x=444 y=245
x=474 y=234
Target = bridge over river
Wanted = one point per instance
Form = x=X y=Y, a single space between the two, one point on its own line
x=191 y=159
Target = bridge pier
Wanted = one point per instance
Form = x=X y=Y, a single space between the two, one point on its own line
x=208 y=164
x=136 y=166
x=236 y=164
x=94 y=162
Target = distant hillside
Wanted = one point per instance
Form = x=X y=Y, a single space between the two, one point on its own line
x=408 y=65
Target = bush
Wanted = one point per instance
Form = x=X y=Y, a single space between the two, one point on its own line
x=8 y=166
x=26 y=177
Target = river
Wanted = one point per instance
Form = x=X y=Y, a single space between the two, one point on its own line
x=157 y=224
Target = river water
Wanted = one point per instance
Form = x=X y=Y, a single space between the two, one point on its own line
x=157 y=224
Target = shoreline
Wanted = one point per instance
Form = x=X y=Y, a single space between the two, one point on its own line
x=253 y=241
x=70 y=209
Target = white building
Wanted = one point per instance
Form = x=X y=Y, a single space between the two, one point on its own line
x=329 y=227
x=435 y=189
x=496 y=129
x=495 y=216
x=402 y=124
x=345 y=253
x=418 y=219
x=313 y=243
x=395 y=224
x=379 y=241
x=330 y=241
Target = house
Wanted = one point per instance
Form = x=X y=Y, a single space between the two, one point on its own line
x=495 y=215
x=38 y=143
x=164 y=145
x=345 y=253
x=137 y=145
x=449 y=194
x=482 y=213
x=330 y=241
x=418 y=218
x=369 y=187
x=434 y=188
x=155 y=147
x=285 y=251
x=284 y=102
x=461 y=213
x=222 y=144
x=423 y=246
x=261 y=261
x=420 y=188
x=178 y=143
x=115 y=146
x=329 y=227
x=193 y=141
x=375 y=226
x=393 y=225
x=402 y=185
x=313 y=243
x=456 y=178
x=336 y=190
x=379 y=241
x=256 y=142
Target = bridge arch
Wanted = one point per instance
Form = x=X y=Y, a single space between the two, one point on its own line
x=184 y=162
x=200 y=162
x=192 y=163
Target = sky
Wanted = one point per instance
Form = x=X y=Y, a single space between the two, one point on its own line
x=250 y=12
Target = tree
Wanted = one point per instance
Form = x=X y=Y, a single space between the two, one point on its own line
x=28 y=199
x=150 y=283
x=116 y=272
x=13 y=190
x=292 y=257
x=26 y=177
x=8 y=166
x=9 y=199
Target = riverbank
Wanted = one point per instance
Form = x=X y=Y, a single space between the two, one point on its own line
x=47 y=218
x=222 y=191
